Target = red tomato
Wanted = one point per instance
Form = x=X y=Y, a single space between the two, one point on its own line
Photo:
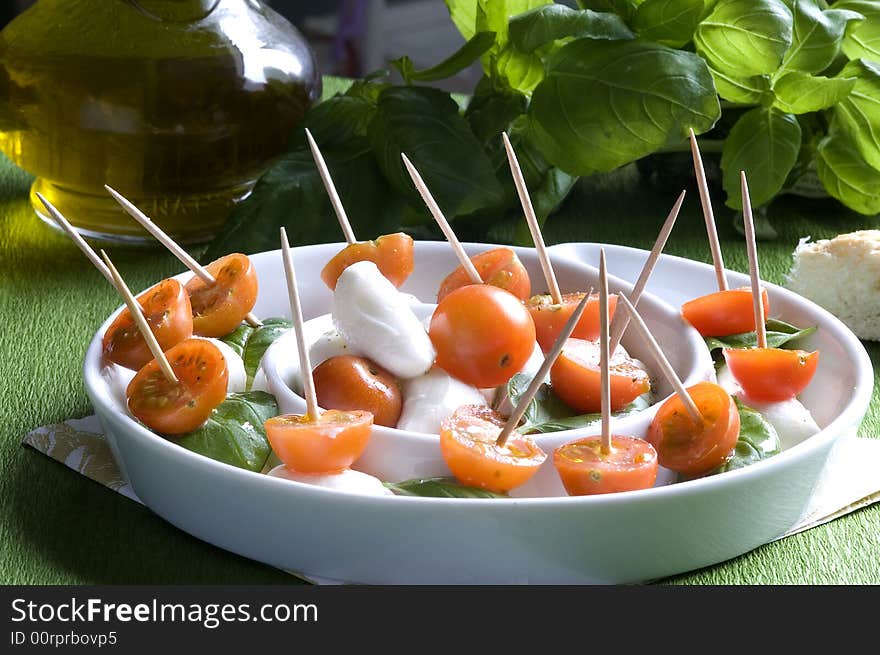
x=483 y=335
x=467 y=442
x=691 y=449
x=348 y=382
x=168 y=313
x=220 y=307
x=723 y=313
x=576 y=378
x=585 y=470
x=392 y=254
x=499 y=267
x=550 y=318
x=329 y=444
x=772 y=374
x=179 y=408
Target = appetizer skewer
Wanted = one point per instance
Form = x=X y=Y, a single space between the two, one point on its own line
x=392 y=253
x=201 y=294
x=607 y=463
x=766 y=374
x=695 y=430
x=727 y=311
x=176 y=391
x=320 y=441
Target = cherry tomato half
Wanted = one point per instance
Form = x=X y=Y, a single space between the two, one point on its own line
x=168 y=313
x=576 y=377
x=585 y=470
x=483 y=335
x=329 y=444
x=550 y=317
x=349 y=382
x=499 y=267
x=686 y=447
x=392 y=254
x=723 y=313
x=772 y=374
x=467 y=443
x=179 y=408
x=219 y=308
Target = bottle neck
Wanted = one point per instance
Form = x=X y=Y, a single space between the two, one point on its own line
x=175 y=11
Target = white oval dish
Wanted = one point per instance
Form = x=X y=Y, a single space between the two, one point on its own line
x=394 y=455
x=624 y=537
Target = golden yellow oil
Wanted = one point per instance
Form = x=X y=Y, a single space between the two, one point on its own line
x=180 y=116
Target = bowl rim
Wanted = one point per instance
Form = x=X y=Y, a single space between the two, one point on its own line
x=851 y=415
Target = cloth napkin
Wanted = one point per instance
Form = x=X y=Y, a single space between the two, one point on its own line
x=848 y=482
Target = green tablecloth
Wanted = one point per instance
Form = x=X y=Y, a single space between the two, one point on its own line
x=57 y=527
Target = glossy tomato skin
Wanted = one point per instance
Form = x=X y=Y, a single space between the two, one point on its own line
x=171 y=408
x=219 y=308
x=167 y=310
x=550 y=317
x=347 y=382
x=724 y=313
x=585 y=470
x=483 y=335
x=691 y=449
x=499 y=267
x=772 y=374
x=392 y=254
x=467 y=443
x=576 y=378
x=329 y=444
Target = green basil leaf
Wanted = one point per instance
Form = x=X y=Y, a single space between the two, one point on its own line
x=455 y=63
x=816 y=36
x=670 y=22
x=862 y=39
x=757 y=440
x=492 y=110
x=846 y=175
x=859 y=113
x=779 y=333
x=607 y=103
x=745 y=37
x=438 y=488
x=583 y=420
x=765 y=143
x=802 y=93
x=425 y=124
x=251 y=343
x=624 y=8
x=534 y=28
x=234 y=433
x=743 y=90
x=464 y=14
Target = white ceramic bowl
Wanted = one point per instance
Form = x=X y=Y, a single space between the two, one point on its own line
x=394 y=455
x=624 y=537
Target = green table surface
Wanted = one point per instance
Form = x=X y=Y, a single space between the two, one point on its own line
x=57 y=527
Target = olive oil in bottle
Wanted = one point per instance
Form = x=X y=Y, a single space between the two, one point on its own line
x=178 y=104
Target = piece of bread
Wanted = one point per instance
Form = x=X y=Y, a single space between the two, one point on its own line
x=843 y=276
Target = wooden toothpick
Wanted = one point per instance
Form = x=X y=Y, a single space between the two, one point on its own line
x=434 y=208
x=77 y=239
x=532 y=221
x=538 y=380
x=331 y=189
x=173 y=247
x=296 y=316
x=621 y=320
x=663 y=362
x=604 y=355
x=140 y=320
x=708 y=215
x=754 y=274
